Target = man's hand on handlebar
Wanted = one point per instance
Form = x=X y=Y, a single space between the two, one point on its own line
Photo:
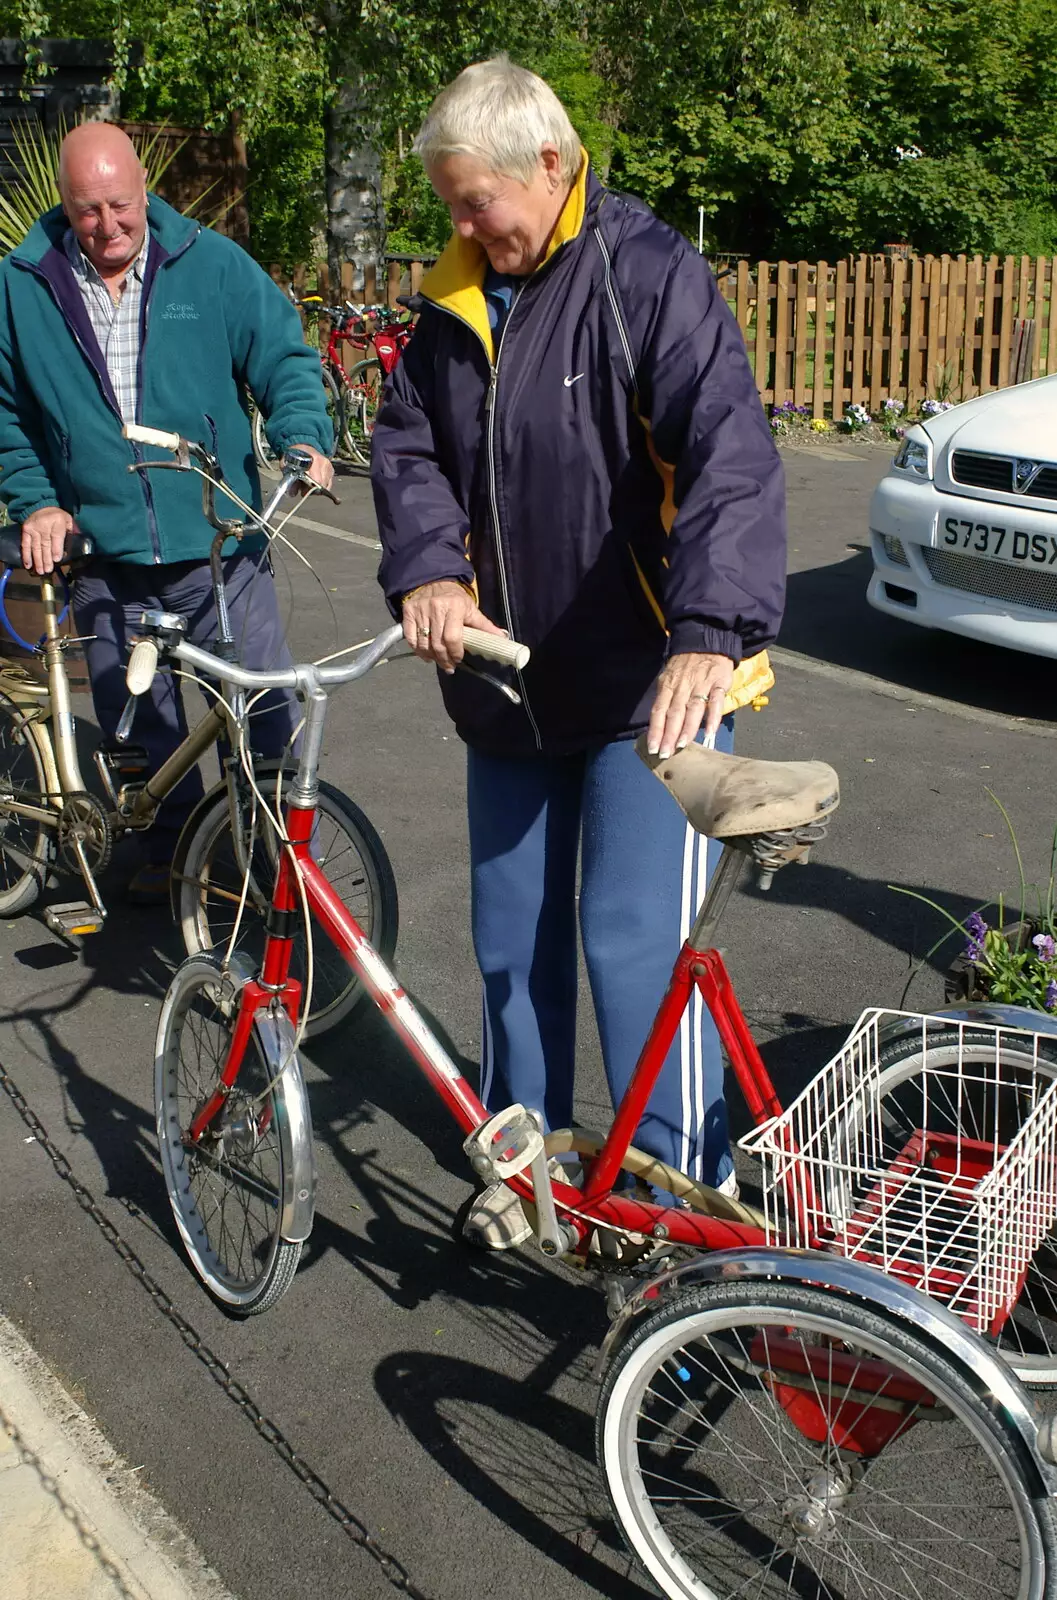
x=321 y=471
x=434 y=618
x=44 y=537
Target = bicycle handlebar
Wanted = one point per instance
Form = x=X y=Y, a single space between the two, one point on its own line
x=155 y=436
x=144 y=659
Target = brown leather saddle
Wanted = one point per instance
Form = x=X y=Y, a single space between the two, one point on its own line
x=773 y=810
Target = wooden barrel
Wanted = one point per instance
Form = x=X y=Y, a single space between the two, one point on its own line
x=25 y=613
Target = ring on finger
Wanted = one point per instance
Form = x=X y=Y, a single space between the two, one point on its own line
x=423 y=633
x=702 y=697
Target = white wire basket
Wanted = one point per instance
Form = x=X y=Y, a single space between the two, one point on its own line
x=934 y=1160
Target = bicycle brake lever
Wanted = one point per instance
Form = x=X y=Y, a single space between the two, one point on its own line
x=496 y=683
x=317 y=488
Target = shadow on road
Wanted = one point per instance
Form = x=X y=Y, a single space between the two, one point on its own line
x=827 y=618
x=526 y=1455
x=120 y=1131
x=794 y=1045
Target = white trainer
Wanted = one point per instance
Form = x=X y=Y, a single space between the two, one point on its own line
x=496 y=1220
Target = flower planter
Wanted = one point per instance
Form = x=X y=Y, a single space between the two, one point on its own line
x=965 y=980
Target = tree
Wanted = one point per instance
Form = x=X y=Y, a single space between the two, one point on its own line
x=785 y=121
x=259 y=67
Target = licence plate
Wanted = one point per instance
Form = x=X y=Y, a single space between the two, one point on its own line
x=1001 y=543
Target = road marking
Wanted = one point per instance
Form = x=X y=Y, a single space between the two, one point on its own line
x=912 y=698
x=336 y=533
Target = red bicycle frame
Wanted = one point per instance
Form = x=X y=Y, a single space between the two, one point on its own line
x=695 y=968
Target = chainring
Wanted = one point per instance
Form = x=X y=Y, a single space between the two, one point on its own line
x=84 y=820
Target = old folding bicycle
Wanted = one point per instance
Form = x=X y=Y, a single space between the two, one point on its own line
x=50 y=821
x=826 y=1399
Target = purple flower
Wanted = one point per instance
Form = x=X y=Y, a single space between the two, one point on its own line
x=976 y=928
x=1045 y=945
x=1050 y=1000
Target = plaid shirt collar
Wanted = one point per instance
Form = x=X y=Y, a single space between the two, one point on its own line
x=88 y=273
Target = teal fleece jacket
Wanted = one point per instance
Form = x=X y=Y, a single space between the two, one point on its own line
x=212 y=324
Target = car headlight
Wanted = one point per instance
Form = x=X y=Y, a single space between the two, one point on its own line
x=914 y=456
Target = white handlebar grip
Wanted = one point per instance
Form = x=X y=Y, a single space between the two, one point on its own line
x=142 y=665
x=155 y=436
x=496 y=647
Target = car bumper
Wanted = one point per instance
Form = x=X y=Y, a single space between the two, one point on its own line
x=937 y=590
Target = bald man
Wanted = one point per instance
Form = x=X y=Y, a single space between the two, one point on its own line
x=115 y=309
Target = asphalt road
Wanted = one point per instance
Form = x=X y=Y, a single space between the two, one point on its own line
x=448 y=1398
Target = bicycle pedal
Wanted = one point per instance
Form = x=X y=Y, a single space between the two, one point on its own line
x=74 y=918
x=127 y=760
x=504 y=1145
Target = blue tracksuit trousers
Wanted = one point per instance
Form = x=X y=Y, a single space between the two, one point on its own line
x=643 y=873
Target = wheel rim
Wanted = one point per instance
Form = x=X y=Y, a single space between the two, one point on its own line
x=1028 y=1339
x=226 y=1195
x=361 y=406
x=761 y=1511
x=218 y=886
x=21 y=839
x=267 y=460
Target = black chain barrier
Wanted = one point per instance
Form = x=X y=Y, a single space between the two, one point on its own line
x=70 y=1513
x=347 y=1520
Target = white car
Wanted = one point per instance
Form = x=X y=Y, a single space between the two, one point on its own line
x=964 y=526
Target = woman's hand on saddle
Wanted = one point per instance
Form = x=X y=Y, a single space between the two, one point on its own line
x=690 y=691
x=44 y=539
x=434 y=617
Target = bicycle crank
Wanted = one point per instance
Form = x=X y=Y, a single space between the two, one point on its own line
x=85 y=837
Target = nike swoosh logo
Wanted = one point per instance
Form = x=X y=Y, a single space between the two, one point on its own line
x=570 y=381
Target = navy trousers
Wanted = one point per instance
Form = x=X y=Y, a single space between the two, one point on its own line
x=643 y=874
x=109 y=596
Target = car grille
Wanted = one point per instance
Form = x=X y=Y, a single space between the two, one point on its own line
x=973 y=575
x=996 y=472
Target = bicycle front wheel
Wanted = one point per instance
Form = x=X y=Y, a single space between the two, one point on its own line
x=344 y=843
x=361 y=401
x=770 y=1440
x=25 y=845
x=226 y=1190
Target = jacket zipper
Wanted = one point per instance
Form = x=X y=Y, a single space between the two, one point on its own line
x=493 y=494
x=148 y=490
x=489 y=406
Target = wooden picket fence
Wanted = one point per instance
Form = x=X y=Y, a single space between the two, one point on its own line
x=862 y=330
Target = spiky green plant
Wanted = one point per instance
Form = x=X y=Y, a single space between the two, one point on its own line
x=36 y=189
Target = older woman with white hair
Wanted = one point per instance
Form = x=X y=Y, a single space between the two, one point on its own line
x=573 y=450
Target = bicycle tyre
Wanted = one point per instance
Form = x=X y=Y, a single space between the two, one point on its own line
x=1028 y=1340
x=206 y=877
x=194 y=1036
x=25 y=845
x=267 y=461
x=361 y=401
x=716 y=1356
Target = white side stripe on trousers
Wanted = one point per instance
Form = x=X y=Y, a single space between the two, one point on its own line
x=691 y=1066
x=487 y=1049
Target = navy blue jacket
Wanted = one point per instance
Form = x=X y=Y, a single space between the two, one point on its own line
x=607 y=478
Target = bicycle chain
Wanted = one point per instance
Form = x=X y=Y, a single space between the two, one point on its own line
x=269 y=1431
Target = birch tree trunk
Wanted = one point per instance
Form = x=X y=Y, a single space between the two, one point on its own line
x=355 y=211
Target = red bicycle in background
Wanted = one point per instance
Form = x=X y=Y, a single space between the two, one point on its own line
x=379 y=334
